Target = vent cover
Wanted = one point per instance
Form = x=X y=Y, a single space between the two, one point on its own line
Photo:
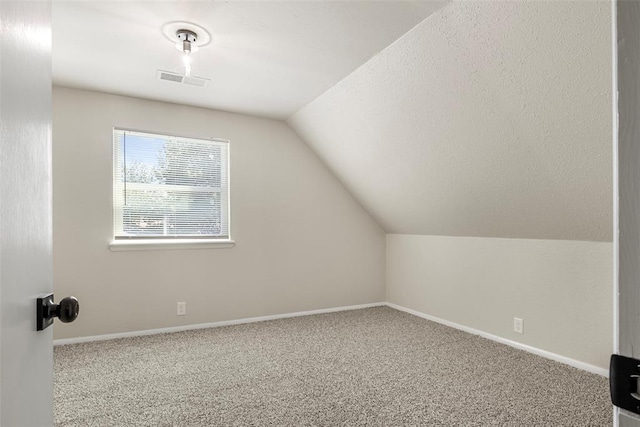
x=195 y=81
x=179 y=78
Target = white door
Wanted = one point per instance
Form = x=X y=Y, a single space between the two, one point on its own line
x=627 y=46
x=26 y=356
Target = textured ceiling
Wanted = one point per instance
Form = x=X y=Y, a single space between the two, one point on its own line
x=267 y=58
x=489 y=119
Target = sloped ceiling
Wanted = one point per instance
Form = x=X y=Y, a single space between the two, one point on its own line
x=489 y=119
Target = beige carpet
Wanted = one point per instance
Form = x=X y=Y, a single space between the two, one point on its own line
x=370 y=367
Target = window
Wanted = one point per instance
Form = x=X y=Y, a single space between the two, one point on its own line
x=168 y=187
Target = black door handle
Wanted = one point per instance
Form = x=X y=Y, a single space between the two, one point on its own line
x=46 y=310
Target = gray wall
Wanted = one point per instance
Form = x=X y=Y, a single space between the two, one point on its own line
x=302 y=242
x=561 y=288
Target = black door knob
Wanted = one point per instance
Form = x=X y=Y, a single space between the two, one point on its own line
x=46 y=310
x=68 y=309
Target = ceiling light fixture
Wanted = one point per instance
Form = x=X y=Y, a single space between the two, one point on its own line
x=185 y=44
x=187 y=38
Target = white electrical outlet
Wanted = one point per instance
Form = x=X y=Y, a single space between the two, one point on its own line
x=518 y=325
x=182 y=308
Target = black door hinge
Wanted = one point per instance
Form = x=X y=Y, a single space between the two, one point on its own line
x=624 y=373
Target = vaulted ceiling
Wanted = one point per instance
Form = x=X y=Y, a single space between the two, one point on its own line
x=488 y=119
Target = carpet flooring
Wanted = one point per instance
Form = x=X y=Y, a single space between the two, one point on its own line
x=369 y=367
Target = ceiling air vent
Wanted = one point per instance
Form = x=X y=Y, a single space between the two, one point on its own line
x=179 y=78
x=195 y=81
x=165 y=75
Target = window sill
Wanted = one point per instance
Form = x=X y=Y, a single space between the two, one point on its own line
x=168 y=244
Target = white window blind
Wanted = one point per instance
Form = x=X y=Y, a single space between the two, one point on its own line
x=169 y=187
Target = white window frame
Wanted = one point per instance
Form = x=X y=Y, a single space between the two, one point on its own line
x=173 y=242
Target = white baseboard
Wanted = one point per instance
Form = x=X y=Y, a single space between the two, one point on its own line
x=211 y=325
x=553 y=356
x=546 y=354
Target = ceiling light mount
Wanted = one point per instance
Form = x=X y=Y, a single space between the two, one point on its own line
x=186 y=36
x=173 y=30
x=186 y=39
